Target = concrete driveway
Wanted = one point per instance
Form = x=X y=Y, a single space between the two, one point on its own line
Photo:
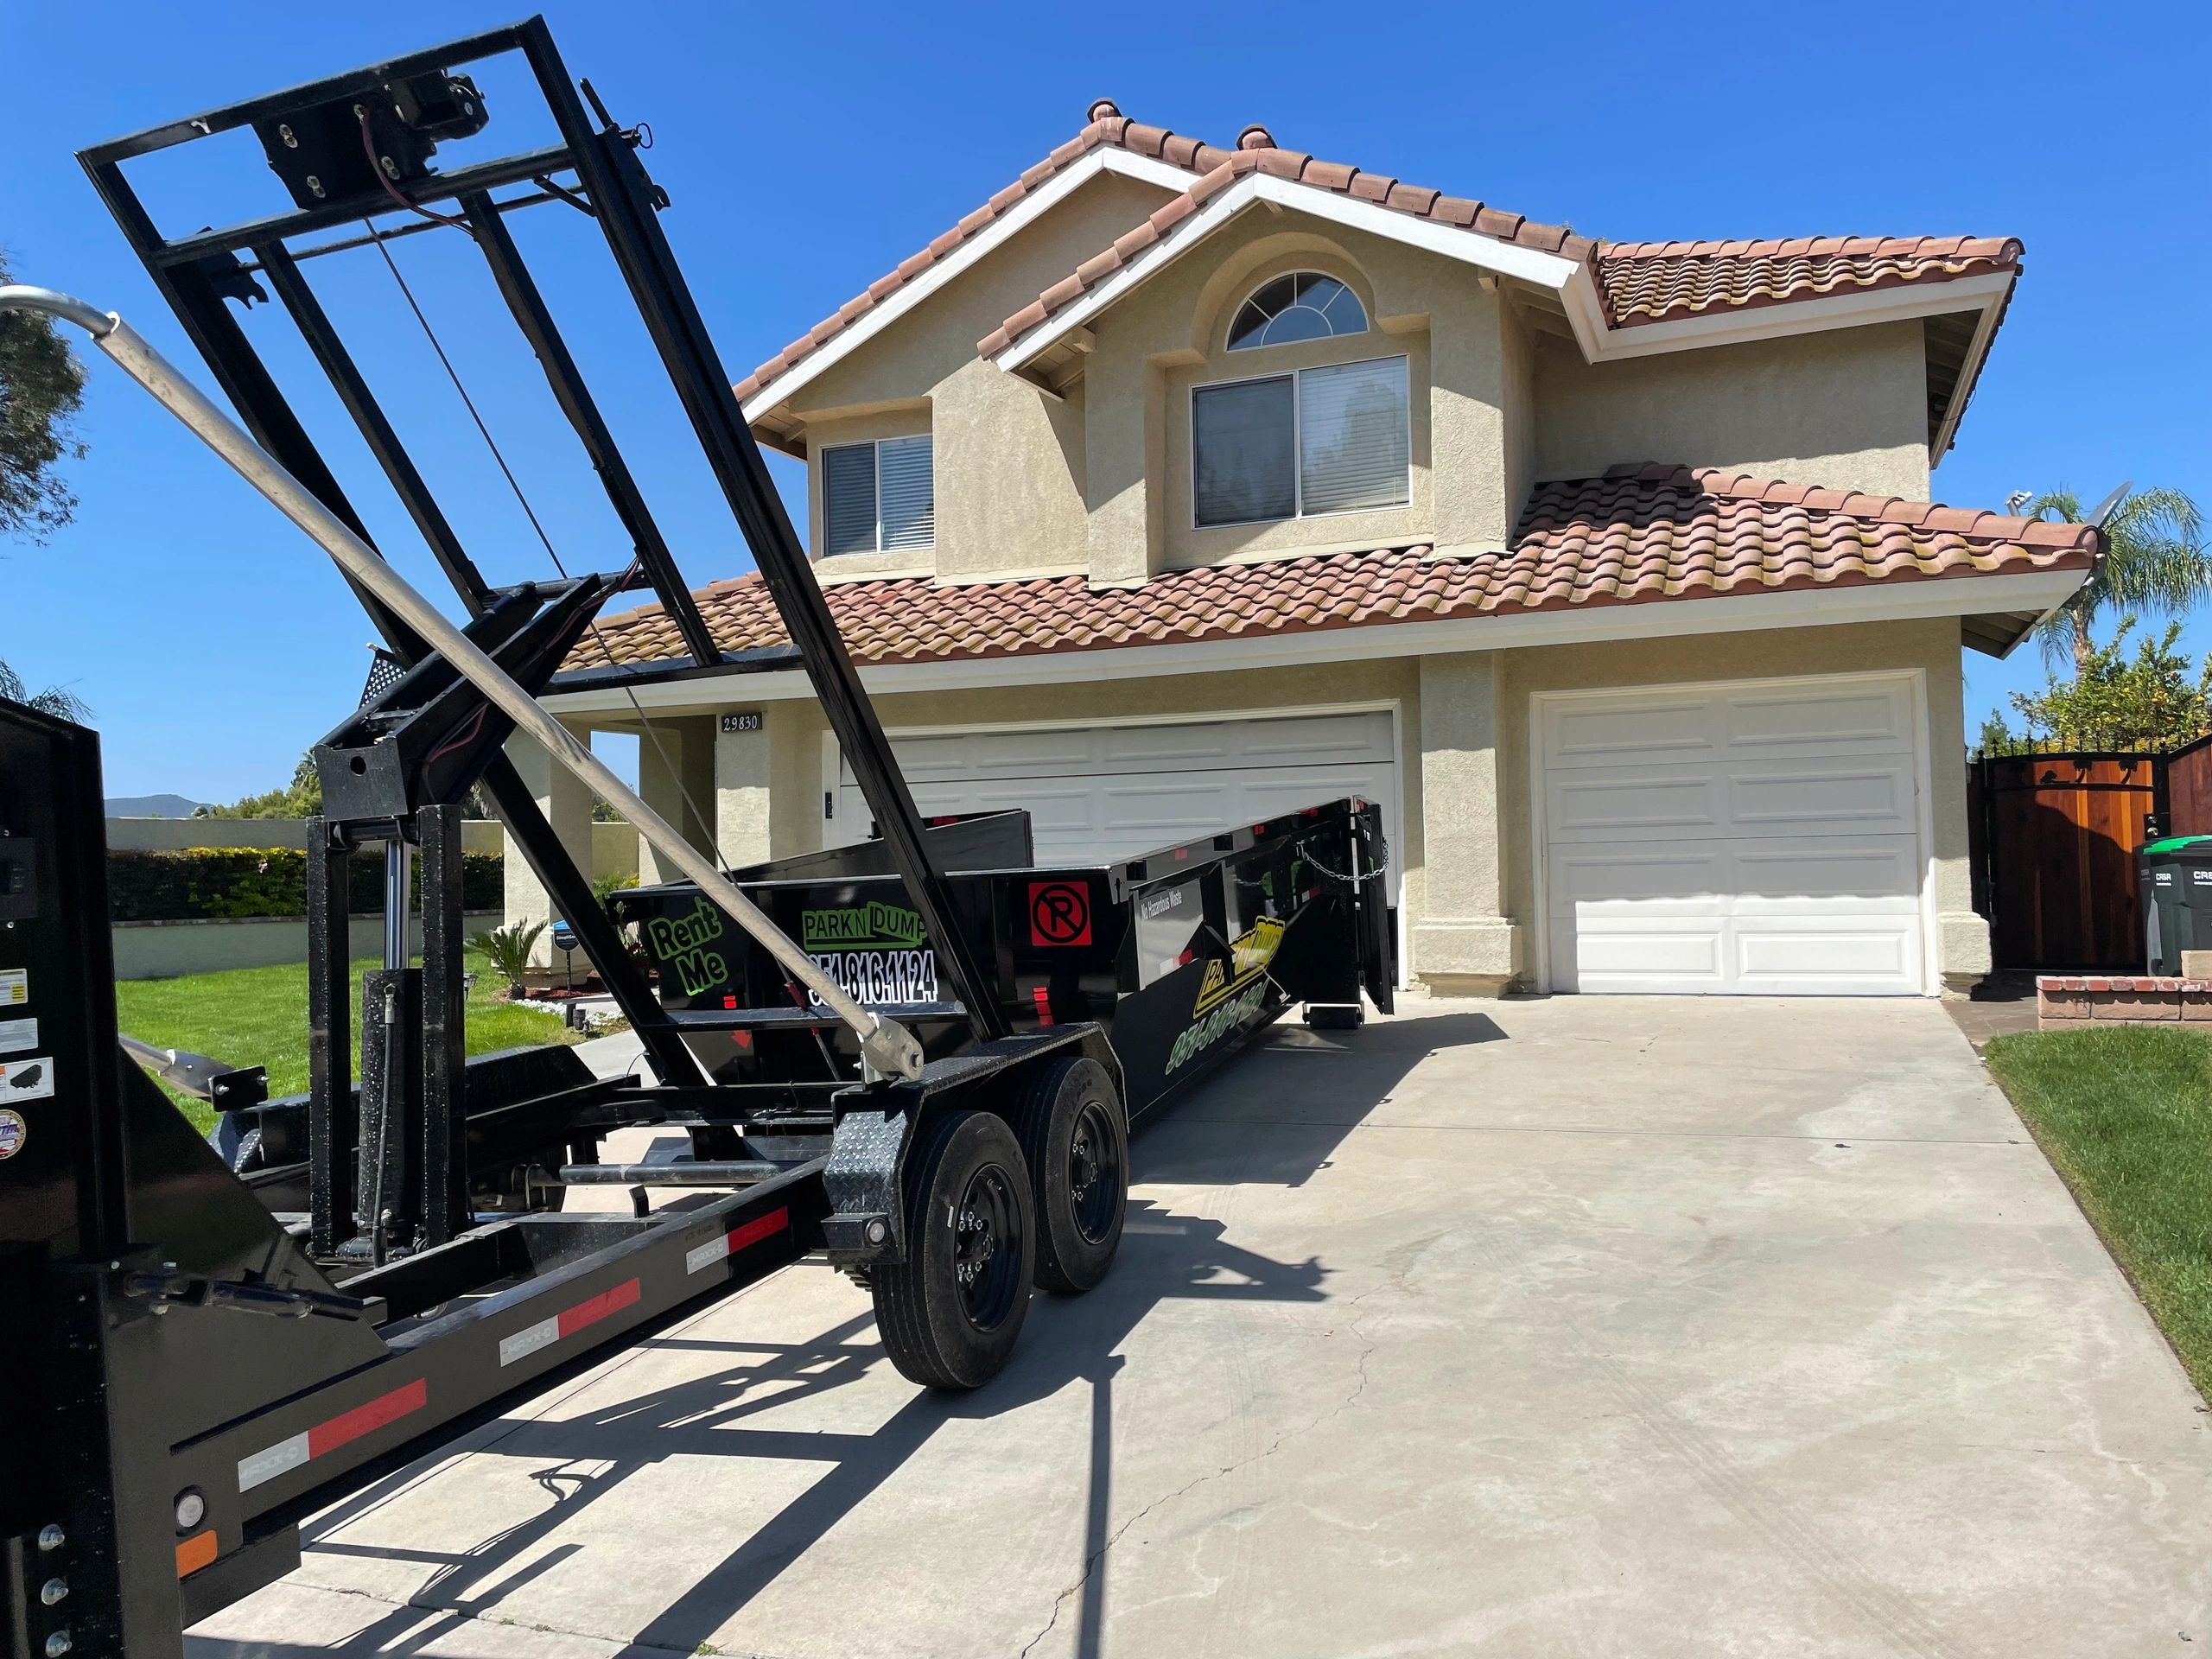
x=1603 y=1327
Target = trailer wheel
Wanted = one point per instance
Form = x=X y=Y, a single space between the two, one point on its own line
x=949 y=1314
x=1075 y=1135
x=1335 y=1016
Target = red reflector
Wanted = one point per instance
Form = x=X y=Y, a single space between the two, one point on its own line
x=742 y=1038
x=366 y=1420
x=575 y=1318
x=1043 y=999
x=1259 y=829
x=753 y=1231
x=1186 y=959
x=1182 y=853
x=729 y=1002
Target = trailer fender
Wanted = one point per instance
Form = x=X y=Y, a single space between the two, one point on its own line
x=876 y=1127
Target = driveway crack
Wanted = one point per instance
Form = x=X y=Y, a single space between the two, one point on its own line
x=627 y=1645
x=1092 y=1563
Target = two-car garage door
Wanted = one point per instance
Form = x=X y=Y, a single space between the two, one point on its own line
x=1741 y=839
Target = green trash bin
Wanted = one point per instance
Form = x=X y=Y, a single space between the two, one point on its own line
x=2176 y=877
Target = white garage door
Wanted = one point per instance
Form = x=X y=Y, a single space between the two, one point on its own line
x=1097 y=793
x=1747 y=839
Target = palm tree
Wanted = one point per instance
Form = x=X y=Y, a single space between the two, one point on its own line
x=2154 y=560
x=63 y=705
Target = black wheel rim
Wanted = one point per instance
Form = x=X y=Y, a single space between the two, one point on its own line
x=1095 y=1171
x=990 y=1258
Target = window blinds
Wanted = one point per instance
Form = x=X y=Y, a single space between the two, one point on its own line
x=906 y=493
x=878 y=495
x=1354 y=446
x=849 y=498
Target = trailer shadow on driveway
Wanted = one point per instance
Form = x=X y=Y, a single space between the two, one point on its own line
x=1670 y=1326
x=1316 y=1086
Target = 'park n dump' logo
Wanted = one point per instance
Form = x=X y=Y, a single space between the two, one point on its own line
x=680 y=942
x=872 y=926
x=878 y=952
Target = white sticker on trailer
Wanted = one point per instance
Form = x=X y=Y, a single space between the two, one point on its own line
x=267 y=1466
x=529 y=1340
x=14 y=987
x=16 y=1035
x=30 y=1079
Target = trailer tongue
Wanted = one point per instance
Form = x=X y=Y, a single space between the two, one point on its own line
x=925 y=1026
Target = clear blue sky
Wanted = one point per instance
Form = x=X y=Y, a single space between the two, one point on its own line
x=808 y=150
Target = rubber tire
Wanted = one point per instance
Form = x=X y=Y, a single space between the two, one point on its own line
x=1068 y=1263
x=919 y=1311
x=1334 y=1016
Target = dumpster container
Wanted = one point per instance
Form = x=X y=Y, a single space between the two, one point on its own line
x=2176 y=879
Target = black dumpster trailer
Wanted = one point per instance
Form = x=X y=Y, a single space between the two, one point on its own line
x=203 y=1351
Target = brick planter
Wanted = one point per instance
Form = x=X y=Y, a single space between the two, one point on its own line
x=2061 y=1000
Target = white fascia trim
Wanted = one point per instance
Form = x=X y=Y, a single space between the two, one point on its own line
x=1105 y=159
x=1528 y=265
x=1749 y=613
x=1601 y=343
x=1969 y=368
x=1574 y=283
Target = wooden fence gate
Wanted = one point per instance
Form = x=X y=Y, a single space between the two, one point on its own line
x=2055 y=863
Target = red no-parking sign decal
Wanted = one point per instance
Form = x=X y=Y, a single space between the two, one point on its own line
x=1059 y=913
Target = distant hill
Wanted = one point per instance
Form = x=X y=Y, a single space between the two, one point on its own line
x=151 y=806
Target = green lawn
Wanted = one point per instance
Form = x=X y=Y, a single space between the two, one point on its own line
x=259 y=1016
x=2125 y=1114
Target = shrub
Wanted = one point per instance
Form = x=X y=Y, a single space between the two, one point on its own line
x=604 y=887
x=226 y=883
x=507 y=948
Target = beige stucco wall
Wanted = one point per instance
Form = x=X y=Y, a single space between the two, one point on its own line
x=1008 y=459
x=1171 y=334
x=1847 y=408
x=1097 y=478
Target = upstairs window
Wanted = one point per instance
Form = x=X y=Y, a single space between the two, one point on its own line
x=1305 y=305
x=1335 y=439
x=878 y=497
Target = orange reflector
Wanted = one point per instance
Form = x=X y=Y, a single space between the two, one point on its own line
x=195 y=1552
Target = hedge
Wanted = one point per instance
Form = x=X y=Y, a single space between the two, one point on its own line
x=224 y=883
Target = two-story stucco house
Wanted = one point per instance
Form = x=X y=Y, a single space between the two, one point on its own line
x=1176 y=486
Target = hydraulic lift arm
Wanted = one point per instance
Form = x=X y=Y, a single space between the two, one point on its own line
x=887 y=1049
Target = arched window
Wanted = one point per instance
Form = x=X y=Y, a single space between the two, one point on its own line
x=1305 y=305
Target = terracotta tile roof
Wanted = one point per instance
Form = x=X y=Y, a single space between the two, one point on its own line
x=1637 y=281
x=1106 y=125
x=1650 y=282
x=1638 y=535
x=1257 y=153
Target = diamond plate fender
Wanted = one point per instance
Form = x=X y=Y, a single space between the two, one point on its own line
x=866 y=1222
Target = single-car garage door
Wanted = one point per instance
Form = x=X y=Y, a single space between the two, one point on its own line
x=1755 y=838
x=1097 y=793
